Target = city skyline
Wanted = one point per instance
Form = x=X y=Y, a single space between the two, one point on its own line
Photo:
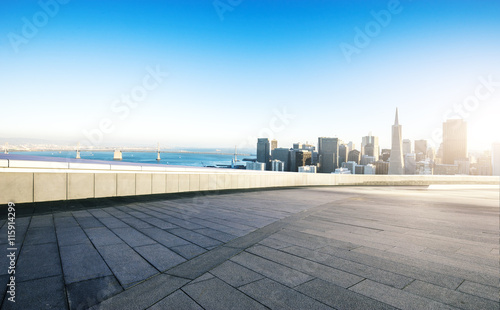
x=220 y=82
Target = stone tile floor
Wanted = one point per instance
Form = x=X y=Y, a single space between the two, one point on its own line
x=297 y=248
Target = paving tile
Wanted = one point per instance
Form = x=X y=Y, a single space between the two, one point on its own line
x=453 y=298
x=136 y=223
x=40 y=235
x=203 y=263
x=234 y=274
x=71 y=236
x=85 y=294
x=272 y=270
x=215 y=234
x=102 y=236
x=46 y=293
x=188 y=251
x=163 y=237
x=144 y=294
x=38 y=261
x=395 y=297
x=112 y=222
x=65 y=222
x=159 y=223
x=277 y=296
x=82 y=262
x=488 y=292
x=215 y=294
x=159 y=256
x=127 y=266
x=132 y=236
x=177 y=300
x=339 y=297
x=86 y=220
x=42 y=221
x=378 y=275
x=195 y=237
x=314 y=269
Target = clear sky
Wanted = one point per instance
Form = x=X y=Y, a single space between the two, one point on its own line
x=234 y=67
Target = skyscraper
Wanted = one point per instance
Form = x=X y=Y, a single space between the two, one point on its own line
x=274 y=144
x=283 y=155
x=343 y=152
x=263 y=152
x=396 y=163
x=372 y=143
x=454 y=141
x=406 y=146
x=328 y=151
x=420 y=149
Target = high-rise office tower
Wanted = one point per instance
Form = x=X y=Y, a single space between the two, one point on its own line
x=263 y=152
x=354 y=156
x=406 y=146
x=343 y=153
x=454 y=141
x=396 y=162
x=328 y=152
x=495 y=159
x=283 y=155
x=300 y=158
x=372 y=143
x=420 y=149
x=274 y=144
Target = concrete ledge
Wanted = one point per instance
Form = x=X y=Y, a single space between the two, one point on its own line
x=126 y=167
x=143 y=184
x=125 y=184
x=16 y=187
x=172 y=185
x=37 y=164
x=4 y=163
x=159 y=183
x=105 y=185
x=49 y=186
x=81 y=185
x=89 y=166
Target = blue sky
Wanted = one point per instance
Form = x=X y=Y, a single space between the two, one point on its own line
x=228 y=79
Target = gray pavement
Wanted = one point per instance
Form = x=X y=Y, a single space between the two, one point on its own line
x=297 y=248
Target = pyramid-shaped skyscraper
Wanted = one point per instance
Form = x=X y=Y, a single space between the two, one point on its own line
x=396 y=162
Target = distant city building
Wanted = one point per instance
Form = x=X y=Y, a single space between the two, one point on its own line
x=423 y=168
x=256 y=166
x=370 y=169
x=277 y=165
x=386 y=154
x=463 y=166
x=350 y=165
x=343 y=153
x=396 y=161
x=406 y=146
x=342 y=171
x=410 y=163
x=264 y=152
x=483 y=165
x=354 y=156
x=328 y=152
x=381 y=167
x=283 y=155
x=359 y=169
x=274 y=144
x=431 y=154
x=420 y=150
x=444 y=169
x=365 y=159
x=300 y=158
x=351 y=146
x=307 y=169
x=454 y=141
x=495 y=159
x=297 y=146
x=369 y=146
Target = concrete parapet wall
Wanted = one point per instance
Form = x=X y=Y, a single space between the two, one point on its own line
x=21 y=183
